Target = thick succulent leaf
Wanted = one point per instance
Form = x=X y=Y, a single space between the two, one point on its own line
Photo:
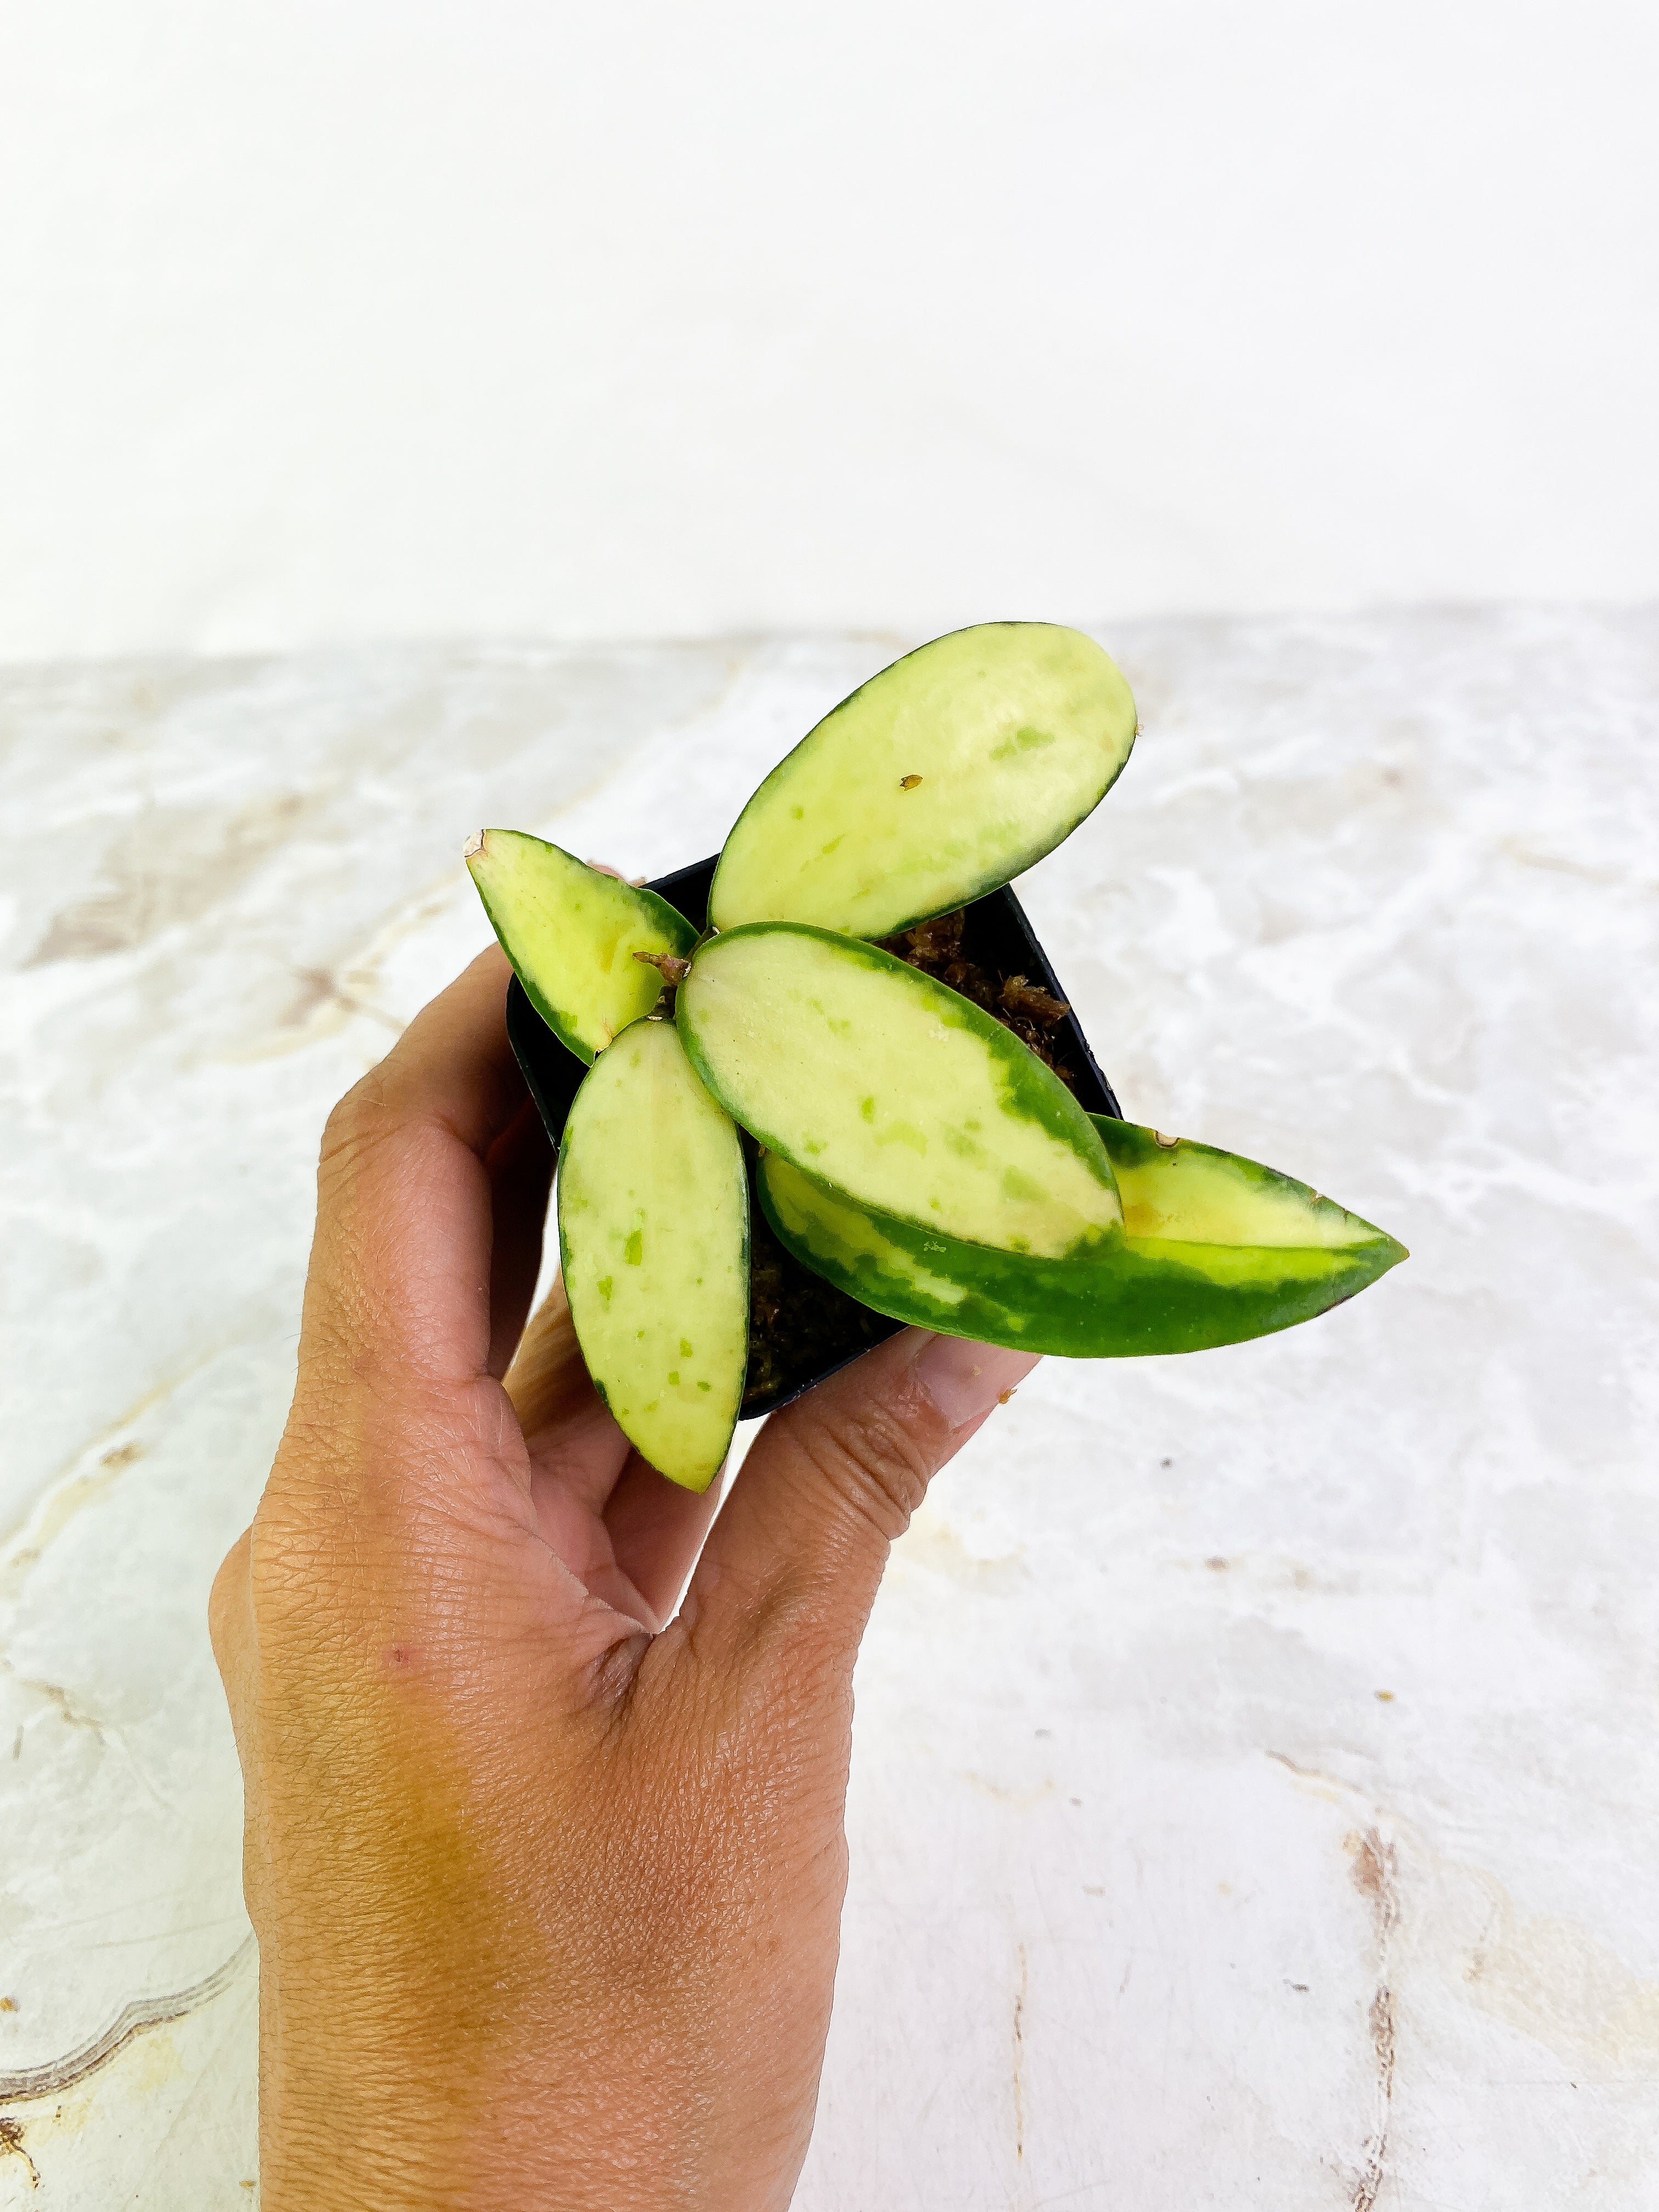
x=940 y=779
x=1240 y=1252
x=1175 y=1191
x=899 y=1092
x=653 y=1237
x=572 y=933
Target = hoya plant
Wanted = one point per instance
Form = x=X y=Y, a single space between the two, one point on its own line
x=833 y=1044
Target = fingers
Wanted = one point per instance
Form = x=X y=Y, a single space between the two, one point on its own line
x=576 y=1450
x=520 y=1171
x=230 y=1625
x=402 y=1265
x=548 y=1379
x=453 y=1065
x=827 y=1486
x=628 y=1532
x=657 y=1529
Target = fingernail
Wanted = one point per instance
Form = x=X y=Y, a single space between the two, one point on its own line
x=965 y=1380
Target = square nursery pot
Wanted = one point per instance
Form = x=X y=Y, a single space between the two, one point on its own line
x=801 y=1328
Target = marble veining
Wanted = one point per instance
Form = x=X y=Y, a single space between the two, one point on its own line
x=1256 y=1789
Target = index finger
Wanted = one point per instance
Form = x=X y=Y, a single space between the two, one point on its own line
x=400 y=1266
x=452 y=1066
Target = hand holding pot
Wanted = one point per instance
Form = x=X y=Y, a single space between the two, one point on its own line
x=547 y=1884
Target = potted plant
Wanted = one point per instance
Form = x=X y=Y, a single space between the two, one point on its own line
x=828 y=1084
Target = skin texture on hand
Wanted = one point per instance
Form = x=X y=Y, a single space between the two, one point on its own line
x=546 y=1875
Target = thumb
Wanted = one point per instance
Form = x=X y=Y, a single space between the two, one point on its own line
x=797 y=1554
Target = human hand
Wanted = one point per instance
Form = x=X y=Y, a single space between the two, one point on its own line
x=547 y=1883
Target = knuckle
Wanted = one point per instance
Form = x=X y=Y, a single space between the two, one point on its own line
x=227 y=1603
x=357 y=1123
x=872 y=1461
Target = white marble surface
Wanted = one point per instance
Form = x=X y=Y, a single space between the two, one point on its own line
x=1256 y=1795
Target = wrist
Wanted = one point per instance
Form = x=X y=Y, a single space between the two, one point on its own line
x=427 y=2135
x=341 y=2148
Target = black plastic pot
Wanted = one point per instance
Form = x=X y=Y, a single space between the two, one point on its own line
x=808 y=1329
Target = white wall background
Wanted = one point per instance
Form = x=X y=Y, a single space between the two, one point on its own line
x=413 y=317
